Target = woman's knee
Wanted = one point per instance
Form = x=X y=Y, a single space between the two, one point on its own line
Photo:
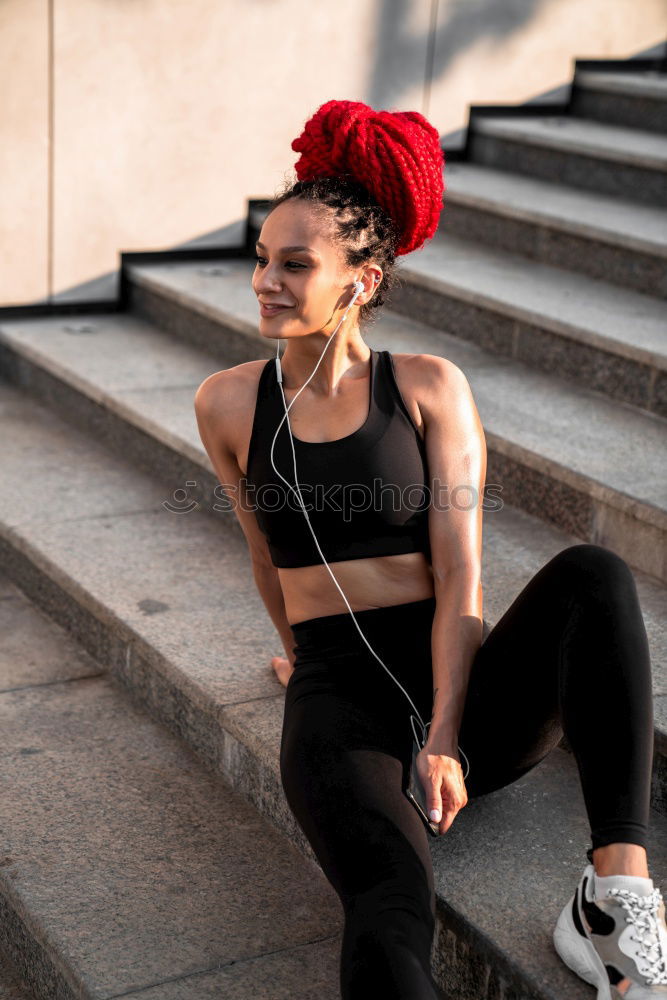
x=598 y=569
x=391 y=908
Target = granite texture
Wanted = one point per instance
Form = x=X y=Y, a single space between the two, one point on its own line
x=659 y=400
x=304 y=972
x=132 y=862
x=622 y=379
x=602 y=220
x=571 y=134
x=624 y=244
x=614 y=319
x=612 y=159
x=637 y=102
x=195 y=318
x=11 y=986
x=474 y=323
x=534 y=240
x=639 y=83
x=566 y=167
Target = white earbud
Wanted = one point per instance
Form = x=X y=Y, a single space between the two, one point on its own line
x=358 y=288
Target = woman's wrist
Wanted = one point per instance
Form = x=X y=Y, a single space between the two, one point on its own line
x=443 y=738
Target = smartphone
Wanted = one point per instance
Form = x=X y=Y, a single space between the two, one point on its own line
x=416 y=794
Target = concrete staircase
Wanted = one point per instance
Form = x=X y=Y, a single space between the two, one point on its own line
x=11 y=985
x=154 y=854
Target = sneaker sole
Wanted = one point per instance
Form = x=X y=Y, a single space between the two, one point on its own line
x=579 y=954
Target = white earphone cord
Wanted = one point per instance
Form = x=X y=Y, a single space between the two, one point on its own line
x=358 y=286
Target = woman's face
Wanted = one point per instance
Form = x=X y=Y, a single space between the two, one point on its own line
x=311 y=284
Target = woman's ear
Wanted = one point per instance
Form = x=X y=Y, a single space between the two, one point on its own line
x=376 y=284
x=372 y=280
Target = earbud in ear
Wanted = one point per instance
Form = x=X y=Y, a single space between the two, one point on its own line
x=359 y=287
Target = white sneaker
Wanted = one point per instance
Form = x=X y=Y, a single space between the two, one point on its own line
x=617 y=943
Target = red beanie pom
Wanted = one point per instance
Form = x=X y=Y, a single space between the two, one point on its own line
x=396 y=155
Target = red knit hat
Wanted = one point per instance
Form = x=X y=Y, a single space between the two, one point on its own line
x=396 y=155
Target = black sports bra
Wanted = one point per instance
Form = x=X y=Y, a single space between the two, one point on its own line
x=366 y=494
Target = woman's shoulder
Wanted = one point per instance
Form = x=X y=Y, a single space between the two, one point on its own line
x=426 y=366
x=432 y=386
x=230 y=387
x=225 y=400
x=424 y=374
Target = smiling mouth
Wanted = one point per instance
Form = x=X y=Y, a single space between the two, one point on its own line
x=273 y=308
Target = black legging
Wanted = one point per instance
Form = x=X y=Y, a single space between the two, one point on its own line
x=569 y=655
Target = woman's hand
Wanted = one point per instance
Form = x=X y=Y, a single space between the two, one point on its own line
x=442 y=777
x=283 y=668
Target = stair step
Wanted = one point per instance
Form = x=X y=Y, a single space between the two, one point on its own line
x=637 y=100
x=622 y=242
x=612 y=159
x=128 y=867
x=149 y=594
x=641 y=83
x=599 y=336
x=568 y=455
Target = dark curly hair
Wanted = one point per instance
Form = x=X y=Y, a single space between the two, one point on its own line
x=364 y=231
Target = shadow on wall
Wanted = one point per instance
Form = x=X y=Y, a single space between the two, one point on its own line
x=454 y=26
x=415 y=43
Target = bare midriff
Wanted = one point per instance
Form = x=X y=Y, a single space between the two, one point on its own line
x=380 y=581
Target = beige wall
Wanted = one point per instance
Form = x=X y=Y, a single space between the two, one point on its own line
x=24 y=150
x=146 y=125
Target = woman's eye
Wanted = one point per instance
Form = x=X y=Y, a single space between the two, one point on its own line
x=294 y=263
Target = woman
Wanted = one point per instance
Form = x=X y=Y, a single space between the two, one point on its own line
x=568 y=655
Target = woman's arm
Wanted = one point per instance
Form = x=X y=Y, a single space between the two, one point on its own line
x=221 y=403
x=456 y=452
x=456 y=637
x=268 y=585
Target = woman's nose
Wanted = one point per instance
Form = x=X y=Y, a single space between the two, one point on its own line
x=267 y=285
x=268 y=288
x=267 y=280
